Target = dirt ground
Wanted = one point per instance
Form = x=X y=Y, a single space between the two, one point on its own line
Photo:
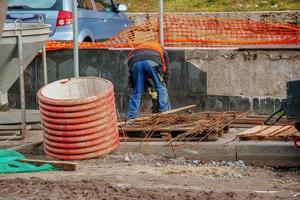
x=137 y=176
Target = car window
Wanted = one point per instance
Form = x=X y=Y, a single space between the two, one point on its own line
x=85 y=4
x=34 y=5
x=103 y=5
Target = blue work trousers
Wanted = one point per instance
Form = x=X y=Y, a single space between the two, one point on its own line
x=140 y=71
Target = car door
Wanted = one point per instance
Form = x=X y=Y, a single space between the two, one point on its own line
x=110 y=21
x=87 y=21
x=118 y=20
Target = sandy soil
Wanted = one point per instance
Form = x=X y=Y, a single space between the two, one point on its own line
x=137 y=176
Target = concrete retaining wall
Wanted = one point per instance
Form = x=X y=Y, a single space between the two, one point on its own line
x=249 y=73
x=215 y=80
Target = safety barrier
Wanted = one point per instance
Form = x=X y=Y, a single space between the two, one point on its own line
x=200 y=32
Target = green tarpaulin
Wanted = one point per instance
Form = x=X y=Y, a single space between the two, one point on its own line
x=9 y=163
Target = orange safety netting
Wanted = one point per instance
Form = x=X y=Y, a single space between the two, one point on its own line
x=200 y=32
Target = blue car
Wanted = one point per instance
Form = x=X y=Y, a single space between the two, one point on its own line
x=98 y=20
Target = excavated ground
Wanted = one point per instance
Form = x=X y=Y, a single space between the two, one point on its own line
x=138 y=176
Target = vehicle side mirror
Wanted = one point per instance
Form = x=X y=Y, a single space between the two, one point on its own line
x=121 y=7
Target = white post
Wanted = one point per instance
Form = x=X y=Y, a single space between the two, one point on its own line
x=44 y=58
x=161 y=22
x=22 y=84
x=75 y=40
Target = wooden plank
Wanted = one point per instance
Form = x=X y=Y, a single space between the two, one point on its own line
x=220 y=133
x=288 y=132
x=269 y=130
x=65 y=166
x=163 y=129
x=166 y=135
x=212 y=136
x=232 y=125
x=226 y=129
x=179 y=109
x=199 y=138
x=135 y=139
x=162 y=113
x=251 y=131
x=280 y=130
x=167 y=112
x=172 y=128
x=269 y=133
x=281 y=133
x=209 y=137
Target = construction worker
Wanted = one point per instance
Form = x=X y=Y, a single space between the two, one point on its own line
x=148 y=68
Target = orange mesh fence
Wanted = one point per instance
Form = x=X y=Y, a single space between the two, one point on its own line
x=200 y=32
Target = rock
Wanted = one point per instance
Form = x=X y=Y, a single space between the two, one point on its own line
x=196 y=162
x=296 y=195
x=158 y=165
x=231 y=164
x=241 y=163
x=126 y=158
x=223 y=163
x=179 y=161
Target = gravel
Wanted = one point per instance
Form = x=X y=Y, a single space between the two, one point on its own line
x=158 y=161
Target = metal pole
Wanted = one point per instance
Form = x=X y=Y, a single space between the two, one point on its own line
x=161 y=22
x=75 y=40
x=22 y=85
x=44 y=57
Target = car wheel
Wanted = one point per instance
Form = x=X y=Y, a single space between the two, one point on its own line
x=87 y=39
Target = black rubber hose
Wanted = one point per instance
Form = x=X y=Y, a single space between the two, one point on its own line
x=281 y=113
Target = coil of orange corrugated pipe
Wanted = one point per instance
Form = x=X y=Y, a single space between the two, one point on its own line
x=79 y=118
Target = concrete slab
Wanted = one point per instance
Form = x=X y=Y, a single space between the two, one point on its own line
x=259 y=153
x=277 y=153
x=192 y=150
x=13 y=116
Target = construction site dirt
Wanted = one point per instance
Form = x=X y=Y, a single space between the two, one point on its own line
x=151 y=176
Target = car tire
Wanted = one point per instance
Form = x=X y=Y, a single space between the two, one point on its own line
x=87 y=39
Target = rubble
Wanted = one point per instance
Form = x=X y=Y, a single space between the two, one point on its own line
x=161 y=160
x=179 y=165
x=126 y=158
x=237 y=164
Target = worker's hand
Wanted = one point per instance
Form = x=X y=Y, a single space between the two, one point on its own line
x=152 y=93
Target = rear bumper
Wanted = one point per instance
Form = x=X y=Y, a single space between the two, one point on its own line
x=62 y=36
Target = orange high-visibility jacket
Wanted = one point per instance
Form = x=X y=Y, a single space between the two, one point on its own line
x=154 y=47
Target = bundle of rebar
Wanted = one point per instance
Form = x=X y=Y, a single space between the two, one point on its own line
x=190 y=126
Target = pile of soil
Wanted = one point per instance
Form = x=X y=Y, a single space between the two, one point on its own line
x=137 y=176
x=36 y=188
